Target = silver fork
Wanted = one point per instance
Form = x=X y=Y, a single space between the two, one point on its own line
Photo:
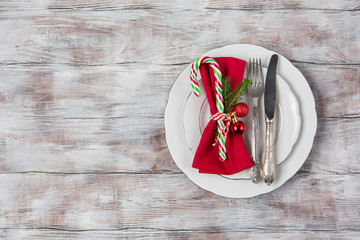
x=256 y=89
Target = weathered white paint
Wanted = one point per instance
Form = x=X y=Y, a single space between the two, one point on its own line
x=52 y=234
x=150 y=201
x=52 y=36
x=99 y=5
x=108 y=145
x=83 y=88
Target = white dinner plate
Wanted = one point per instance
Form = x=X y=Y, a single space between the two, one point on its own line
x=217 y=184
x=286 y=122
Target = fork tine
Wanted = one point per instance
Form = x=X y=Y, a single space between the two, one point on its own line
x=249 y=71
x=253 y=72
x=261 y=73
x=256 y=72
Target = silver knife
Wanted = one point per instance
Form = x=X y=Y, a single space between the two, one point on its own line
x=269 y=104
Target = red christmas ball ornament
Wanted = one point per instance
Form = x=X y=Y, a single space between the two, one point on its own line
x=237 y=128
x=241 y=109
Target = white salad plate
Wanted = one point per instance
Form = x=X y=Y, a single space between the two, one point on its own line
x=242 y=187
x=286 y=122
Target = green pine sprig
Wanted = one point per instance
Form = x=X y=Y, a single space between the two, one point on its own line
x=232 y=97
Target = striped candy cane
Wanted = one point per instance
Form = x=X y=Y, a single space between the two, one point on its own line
x=221 y=138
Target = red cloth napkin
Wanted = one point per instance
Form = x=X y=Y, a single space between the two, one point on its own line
x=207 y=156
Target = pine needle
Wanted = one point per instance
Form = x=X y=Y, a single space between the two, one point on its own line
x=232 y=97
x=227 y=94
x=238 y=93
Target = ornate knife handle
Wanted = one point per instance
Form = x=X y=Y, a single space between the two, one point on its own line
x=269 y=164
x=254 y=171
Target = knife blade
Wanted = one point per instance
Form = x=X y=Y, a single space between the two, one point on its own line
x=270 y=87
x=269 y=105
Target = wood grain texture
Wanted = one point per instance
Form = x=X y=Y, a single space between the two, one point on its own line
x=158 y=201
x=91 y=92
x=335 y=88
x=83 y=89
x=54 y=234
x=161 y=37
x=141 y=90
x=98 y=5
x=108 y=146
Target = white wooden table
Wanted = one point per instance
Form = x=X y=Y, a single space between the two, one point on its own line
x=83 y=89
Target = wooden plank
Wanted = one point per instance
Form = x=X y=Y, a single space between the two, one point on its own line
x=53 y=234
x=172 y=37
x=140 y=90
x=84 y=145
x=63 y=91
x=171 y=202
x=335 y=148
x=335 y=89
x=283 y=4
x=177 y=4
x=138 y=145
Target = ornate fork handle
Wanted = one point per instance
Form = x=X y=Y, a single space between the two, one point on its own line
x=255 y=172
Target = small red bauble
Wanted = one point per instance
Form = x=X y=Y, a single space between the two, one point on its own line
x=241 y=109
x=237 y=128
